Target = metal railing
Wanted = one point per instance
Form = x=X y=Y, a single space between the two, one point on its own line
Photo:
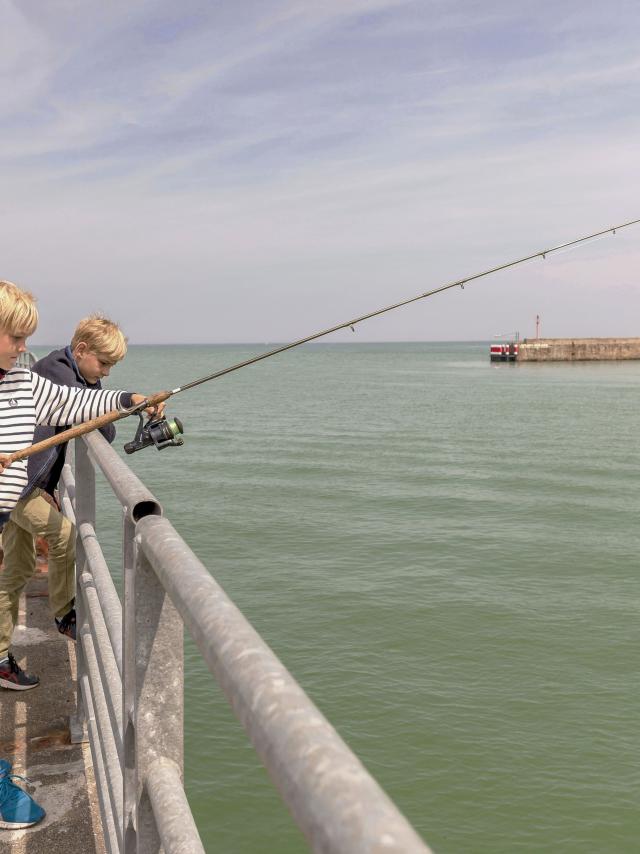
x=26 y=360
x=130 y=697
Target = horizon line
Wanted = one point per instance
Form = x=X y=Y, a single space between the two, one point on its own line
x=285 y=341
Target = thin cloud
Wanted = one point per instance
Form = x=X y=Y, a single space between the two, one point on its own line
x=315 y=154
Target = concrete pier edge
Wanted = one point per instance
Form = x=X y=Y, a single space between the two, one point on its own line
x=578 y=349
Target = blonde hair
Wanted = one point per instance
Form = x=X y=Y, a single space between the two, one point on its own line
x=102 y=336
x=18 y=312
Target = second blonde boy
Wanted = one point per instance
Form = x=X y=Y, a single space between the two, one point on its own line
x=96 y=346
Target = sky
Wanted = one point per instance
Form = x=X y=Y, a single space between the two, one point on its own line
x=254 y=171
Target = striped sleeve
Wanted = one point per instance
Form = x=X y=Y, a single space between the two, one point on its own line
x=62 y=406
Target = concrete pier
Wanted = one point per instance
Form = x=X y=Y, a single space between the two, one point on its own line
x=34 y=737
x=578 y=349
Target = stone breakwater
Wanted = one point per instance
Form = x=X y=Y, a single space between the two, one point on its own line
x=578 y=349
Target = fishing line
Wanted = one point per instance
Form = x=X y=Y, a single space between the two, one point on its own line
x=544 y=253
x=166 y=433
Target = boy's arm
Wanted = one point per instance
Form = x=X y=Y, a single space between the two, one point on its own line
x=63 y=406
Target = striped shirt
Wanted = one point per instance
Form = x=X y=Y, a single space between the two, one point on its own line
x=27 y=399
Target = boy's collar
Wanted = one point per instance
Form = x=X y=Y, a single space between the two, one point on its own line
x=74 y=365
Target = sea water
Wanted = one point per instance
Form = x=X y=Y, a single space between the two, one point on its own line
x=444 y=553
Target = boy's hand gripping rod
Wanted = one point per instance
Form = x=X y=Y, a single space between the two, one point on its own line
x=161 y=396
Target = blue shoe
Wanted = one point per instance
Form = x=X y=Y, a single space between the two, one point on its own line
x=17 y=808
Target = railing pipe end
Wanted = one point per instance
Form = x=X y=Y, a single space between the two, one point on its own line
x=147 y=507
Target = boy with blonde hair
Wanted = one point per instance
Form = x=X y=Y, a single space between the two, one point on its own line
x=63 y=389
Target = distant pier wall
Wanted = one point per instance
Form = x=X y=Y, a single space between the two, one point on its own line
x=578 y=349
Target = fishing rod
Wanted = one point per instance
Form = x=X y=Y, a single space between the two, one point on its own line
x=163 y=433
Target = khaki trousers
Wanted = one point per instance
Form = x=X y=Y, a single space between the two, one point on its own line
x=33 y=516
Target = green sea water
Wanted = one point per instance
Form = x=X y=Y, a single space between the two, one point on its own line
x=444 y=553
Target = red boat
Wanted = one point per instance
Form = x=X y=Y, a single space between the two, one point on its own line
x=505 y=352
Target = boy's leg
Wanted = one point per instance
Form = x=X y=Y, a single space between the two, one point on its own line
x=38 y=515
x=19 y=566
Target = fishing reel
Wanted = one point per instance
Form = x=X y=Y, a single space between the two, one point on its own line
x=158 y=432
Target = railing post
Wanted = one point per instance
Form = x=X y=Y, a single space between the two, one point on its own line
x=159 y=706
x=129 y=685
x=85 y=510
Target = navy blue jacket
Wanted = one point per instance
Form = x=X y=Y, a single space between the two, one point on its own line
x=44 y=469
